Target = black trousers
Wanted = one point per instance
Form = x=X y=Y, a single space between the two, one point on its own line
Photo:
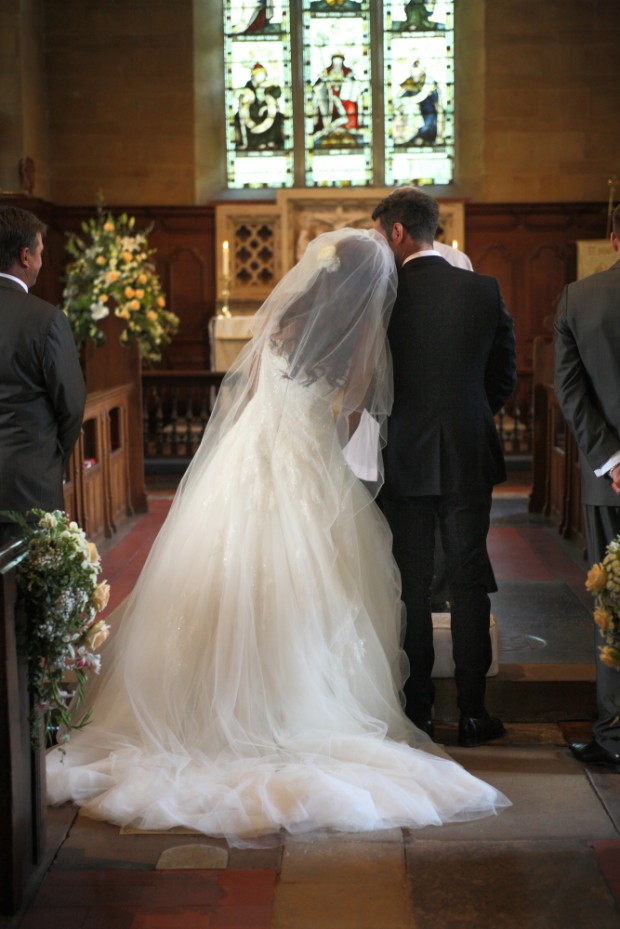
x=463 y=525
x=602 y=524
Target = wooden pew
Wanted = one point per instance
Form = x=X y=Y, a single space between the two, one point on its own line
x=22 y=768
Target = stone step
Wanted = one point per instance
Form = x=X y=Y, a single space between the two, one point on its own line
x=529 y=693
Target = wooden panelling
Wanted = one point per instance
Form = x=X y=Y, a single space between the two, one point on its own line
x=531 y=249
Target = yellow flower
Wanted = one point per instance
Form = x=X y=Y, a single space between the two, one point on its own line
x=142 y=278
x=121 y=313
x=151 y=315
x=139 y=293
x=97 y=635
x=103 y=298
x=129 y=291
x=113 y=276
x=127 y=256
x=134 y=305
x=108 y=227
x=100 y=260
x=160 y=301
x=93 y=554
x=597 y=578
x=603 y=618
x=610 y=657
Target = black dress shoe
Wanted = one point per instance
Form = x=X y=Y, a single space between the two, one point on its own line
x=476 y=730
x=593 y=753
x=426 y=725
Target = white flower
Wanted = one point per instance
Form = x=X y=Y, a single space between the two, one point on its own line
x=328 y=259
x=99 y=311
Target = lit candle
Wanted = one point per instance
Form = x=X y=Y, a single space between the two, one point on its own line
x=455 y=243
x=225 y=259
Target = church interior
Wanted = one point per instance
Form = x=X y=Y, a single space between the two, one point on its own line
x=121 y=107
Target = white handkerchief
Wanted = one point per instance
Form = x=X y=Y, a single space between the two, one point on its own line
x=362 y=449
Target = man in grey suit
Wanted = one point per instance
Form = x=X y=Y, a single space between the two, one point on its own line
x=453 y=351
x=587 y=386
x=42 y=390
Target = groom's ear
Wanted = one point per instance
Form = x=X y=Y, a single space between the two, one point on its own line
x=399 y=234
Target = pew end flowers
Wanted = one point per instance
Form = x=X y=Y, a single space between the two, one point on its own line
x=112 y=272
x=61 y=595
x=603 y=582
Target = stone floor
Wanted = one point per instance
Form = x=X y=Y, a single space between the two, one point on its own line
x=550 y=860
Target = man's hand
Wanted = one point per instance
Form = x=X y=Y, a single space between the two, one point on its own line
x=615 y=478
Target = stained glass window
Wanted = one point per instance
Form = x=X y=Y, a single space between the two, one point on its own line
x=257 y=51
x=339 y=93
x=419 y=92
x=338 y=142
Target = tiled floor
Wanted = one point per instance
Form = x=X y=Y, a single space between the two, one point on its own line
x=551 y=860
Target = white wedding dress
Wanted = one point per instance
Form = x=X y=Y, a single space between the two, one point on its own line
x=254 y=682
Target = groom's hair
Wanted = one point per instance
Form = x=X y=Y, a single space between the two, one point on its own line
x=18 y=230
x=416 y=211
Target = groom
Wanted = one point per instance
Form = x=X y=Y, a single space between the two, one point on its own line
x=453 y=350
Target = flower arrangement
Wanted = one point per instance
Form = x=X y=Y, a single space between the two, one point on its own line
x=603 y=582
x=112 y=271
x=57 y=579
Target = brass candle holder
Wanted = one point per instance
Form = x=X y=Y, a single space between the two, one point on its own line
x=225 y=291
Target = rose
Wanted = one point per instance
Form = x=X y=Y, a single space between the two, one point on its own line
x=99 y=311
x=610 y=656
x=603 y=619
x=596 y=578
x=97 y=635
x=101 y=596
x=92 y=553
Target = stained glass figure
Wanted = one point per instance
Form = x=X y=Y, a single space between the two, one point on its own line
x=337 y=77
x=257 y=50
x=419 y=110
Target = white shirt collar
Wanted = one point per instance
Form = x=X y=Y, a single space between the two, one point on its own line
x=16 y=279
x=423 y=254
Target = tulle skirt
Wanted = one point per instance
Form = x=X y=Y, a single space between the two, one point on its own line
x=254 y=683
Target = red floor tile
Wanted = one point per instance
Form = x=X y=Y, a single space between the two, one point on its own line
x=513 y=557
x=118 y=899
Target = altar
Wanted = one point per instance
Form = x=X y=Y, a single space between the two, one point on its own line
x=229 y=334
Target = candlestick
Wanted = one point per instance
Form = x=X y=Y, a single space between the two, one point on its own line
x=225 y=279
x=455 y=243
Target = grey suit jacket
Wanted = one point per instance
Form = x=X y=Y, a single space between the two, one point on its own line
x=587 y=375
x=42 y=397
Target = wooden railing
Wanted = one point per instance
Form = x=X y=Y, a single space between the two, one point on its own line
x=176 y=409
x=177 y=406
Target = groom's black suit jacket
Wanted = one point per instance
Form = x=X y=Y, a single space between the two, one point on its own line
x=453 y=350
x=42 y=398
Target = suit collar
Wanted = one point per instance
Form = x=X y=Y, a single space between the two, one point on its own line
x=12 y=283
x=424 y=261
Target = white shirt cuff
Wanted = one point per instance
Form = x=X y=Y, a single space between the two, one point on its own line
x=606 y=468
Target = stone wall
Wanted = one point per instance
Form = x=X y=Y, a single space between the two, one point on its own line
x=127 y=100
x=120 y=83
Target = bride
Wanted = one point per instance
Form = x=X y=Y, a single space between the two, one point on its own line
x=254 y=683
